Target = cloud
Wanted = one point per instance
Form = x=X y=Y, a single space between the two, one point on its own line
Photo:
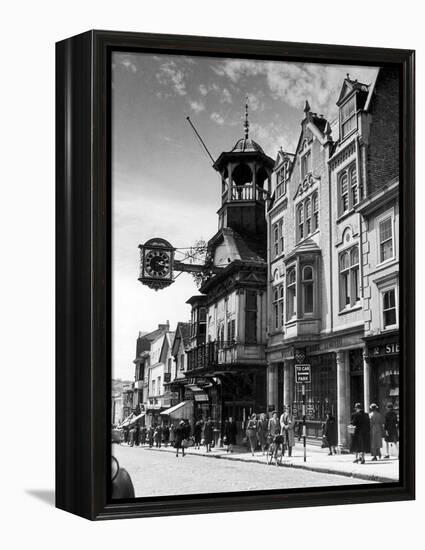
x=226 y=96
x=272 y=137
x=203 y=89
x=126 y=62
x=218 y=119
x=294 y=82
x=197 y=106
x=171 y=75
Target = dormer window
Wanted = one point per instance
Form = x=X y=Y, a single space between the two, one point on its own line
x=348 y=118
x=305 y=164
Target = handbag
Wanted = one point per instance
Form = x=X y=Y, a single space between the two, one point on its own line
x=325 y=442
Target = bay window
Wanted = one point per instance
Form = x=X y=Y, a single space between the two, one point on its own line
x=291 y=293
x=307 y=289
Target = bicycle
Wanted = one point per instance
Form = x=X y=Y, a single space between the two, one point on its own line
x=275 y=449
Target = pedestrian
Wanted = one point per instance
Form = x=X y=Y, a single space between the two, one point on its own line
x=157 y=436
x=143 y=435
x=376 y=431
x=197 y=433
x=360 y=443
x=171 y=437
x=391 y=429
x=165 y=435
x=137 y=435
x=230 y=433
x=179 y=435
x=262 y=430
x=208 y=434
x=126 y=435
x=287 y=427
x=251 y=432
x=330 y=433
x=274 y=437
x=131 y=440
x=150 y=435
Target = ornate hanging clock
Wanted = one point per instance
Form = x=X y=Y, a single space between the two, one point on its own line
x=156 y=263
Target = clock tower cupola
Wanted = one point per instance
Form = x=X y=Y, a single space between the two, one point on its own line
x=245 y=186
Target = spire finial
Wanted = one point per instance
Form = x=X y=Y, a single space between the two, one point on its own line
x=246 y=123
x=306 y=106
x=348 y=76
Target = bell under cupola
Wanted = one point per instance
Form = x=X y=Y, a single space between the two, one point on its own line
x=246 y=173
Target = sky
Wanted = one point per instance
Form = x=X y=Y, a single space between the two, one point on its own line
x=163 y=183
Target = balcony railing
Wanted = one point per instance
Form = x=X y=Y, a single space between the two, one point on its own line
x=245 y=193
x=212 y=353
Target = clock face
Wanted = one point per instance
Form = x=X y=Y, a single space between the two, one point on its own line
x=157 y=263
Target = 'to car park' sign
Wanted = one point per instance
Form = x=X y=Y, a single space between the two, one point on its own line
x=303 y=374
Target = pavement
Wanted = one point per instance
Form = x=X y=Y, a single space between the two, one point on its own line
x=159 y=473
x=318 y=460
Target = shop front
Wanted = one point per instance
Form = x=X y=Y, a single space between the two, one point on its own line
x=384 y=369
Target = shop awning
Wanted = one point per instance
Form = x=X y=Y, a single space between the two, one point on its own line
x=127 y=421
x=181 y=410
x=136 y=418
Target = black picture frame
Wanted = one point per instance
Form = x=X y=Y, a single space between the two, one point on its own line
x=83 y=326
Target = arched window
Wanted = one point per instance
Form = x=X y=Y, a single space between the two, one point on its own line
x=315 y=201
x=354 y=186
x=291 y=293
x=308 y=216
x=278 y=319
x=349 y=278
x=343 y=186
x=300 y=220
x=308 y=289
x=349 y=190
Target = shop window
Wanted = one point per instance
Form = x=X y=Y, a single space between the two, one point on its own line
x=291 y=293
x=386 y=245
x=308 y=289
x=389 y=308
x=348 y=118
x=349 y=277
x=251 y=317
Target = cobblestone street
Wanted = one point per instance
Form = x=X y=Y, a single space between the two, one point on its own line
x=156 y=473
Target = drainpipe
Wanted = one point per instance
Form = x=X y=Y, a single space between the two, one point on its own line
x=330 y=246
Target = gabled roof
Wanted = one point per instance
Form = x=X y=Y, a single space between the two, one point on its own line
x=348 y=87
x=182 y=334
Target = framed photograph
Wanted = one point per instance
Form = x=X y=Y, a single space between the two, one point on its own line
x=235 y=275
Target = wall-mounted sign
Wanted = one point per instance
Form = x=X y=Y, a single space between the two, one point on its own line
x=303 y=373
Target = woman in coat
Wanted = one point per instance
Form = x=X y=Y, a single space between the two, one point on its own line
x=262 y=432
x=179 y=435
x=331 y=433
x=391 y=428
x=171 y=436
x=197 y=433
x=251 y=432
x=208 y=434
x=360 y=443
x=287 y=425
x=230 y=433
x=376 y=431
